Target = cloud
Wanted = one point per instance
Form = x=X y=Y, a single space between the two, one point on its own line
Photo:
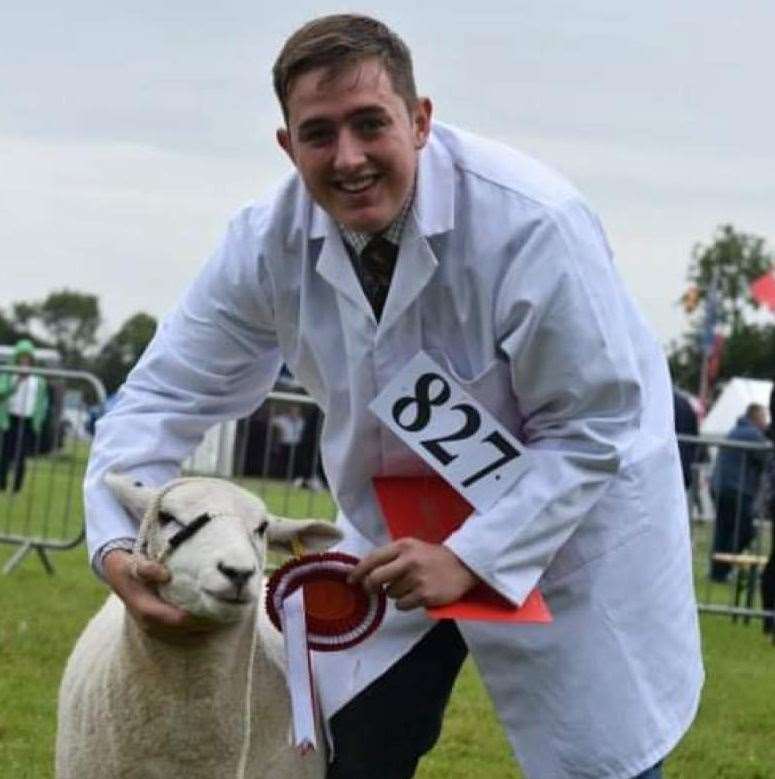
x=131 y=131
x=129 y=223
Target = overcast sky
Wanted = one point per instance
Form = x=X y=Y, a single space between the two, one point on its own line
x=130 y=132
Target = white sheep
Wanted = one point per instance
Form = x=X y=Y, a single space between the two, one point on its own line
x=135 y=707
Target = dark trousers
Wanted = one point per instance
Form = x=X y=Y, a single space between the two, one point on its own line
x=734 y=529
x=385 y=730
x=768 y=576
x=653 y=773
x=18 y=441
x=768 y=591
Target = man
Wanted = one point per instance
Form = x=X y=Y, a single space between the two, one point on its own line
x=685 y=424
x=396 y=236
x=23 y=407
x=767 y=584
x=734 y=484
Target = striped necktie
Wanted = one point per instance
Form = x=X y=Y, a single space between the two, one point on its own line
x=378 y=259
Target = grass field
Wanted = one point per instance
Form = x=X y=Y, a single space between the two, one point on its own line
x=41 y=615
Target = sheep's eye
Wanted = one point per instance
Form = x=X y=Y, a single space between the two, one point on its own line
x=261 y=529
x=165 y=518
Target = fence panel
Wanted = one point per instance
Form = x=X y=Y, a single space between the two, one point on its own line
x=276 y=453
x=733 y=535
x=44 y=445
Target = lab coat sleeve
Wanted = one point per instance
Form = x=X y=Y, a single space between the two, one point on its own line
x=562 y=324
x=214 y=357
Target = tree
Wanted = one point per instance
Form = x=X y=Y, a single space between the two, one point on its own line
x=122 y=351
x=70 y=320
x=8 y=333
x=720 y=276
x=732 y=262
x=23 y=314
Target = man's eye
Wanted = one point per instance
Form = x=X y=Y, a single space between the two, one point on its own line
x=316 y=137
x=370 y=126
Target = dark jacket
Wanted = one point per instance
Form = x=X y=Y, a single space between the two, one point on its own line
x=738 y=469
x=685 y=423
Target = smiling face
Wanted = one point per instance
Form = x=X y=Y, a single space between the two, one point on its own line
x=355 y=142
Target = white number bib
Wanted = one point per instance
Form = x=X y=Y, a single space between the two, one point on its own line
x=451 y=431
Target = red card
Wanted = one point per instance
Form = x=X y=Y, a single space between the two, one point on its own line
x=428 y=508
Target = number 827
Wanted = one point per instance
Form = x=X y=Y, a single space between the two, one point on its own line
x=413 y=413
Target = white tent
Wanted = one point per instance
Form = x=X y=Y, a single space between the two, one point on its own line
x=732 y=403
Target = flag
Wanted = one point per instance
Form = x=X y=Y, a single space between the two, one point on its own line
x=690 y=299
x=712 y=306
x=711 y=343
x=763 y=290
x=713 y=366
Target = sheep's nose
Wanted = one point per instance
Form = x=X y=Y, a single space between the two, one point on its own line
x=237 y=576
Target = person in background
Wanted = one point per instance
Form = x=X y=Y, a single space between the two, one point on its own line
x=768 y=509
x=23 y=406
x=734 y=485
x=685 y=424
x=289 y=428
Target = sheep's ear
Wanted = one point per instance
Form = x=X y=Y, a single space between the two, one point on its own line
x=314 y=535
x=132 y=495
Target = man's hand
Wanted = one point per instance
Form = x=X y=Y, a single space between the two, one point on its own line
x=136 y=585
x=415 y=573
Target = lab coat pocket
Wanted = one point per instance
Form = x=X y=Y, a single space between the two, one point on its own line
x=488 y=383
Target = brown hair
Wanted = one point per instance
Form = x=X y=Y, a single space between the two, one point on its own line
x=338 y=41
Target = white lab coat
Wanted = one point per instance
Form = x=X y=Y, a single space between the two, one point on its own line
x=504 y=277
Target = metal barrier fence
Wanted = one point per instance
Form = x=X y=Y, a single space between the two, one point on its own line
x=276 y=453
x=733 y=533
x=44 y=415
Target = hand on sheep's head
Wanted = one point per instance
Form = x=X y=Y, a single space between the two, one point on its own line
x=211 y=537
x=136 y=582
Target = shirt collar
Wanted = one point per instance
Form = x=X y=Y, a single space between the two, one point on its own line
x=392 y=232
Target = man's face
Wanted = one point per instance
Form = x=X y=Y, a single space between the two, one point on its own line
x=355 y=143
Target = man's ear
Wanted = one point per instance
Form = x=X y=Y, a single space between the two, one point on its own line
x=421 y=121
x=314 y=535
x=284 y=139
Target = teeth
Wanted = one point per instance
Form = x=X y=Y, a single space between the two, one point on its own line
x=357 y=185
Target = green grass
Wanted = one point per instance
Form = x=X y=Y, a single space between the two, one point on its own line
x=41 y=615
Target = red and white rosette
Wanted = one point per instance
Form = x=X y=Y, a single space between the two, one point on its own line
x=338 y=615
x=310 y=601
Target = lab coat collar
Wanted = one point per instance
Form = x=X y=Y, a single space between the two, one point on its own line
x=434 y=205
x=335 y=267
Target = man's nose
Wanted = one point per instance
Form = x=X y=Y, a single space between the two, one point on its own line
x=350 y=154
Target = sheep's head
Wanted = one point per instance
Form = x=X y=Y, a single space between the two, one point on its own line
x=213 y=537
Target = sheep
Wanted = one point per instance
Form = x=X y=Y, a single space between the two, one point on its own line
x=135 y=707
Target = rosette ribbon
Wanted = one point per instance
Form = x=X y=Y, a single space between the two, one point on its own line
x=311 y=603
